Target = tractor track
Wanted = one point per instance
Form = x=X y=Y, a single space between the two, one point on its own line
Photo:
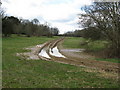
x=72 y=60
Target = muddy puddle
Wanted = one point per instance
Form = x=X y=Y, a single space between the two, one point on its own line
x=55 y=52
x=43 y=53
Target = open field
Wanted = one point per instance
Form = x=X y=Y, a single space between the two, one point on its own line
x=75 y=42
x=96 y=46
x=22 y=73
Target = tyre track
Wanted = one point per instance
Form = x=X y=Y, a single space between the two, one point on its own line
x=102 y=65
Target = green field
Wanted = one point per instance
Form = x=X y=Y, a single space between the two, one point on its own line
x=21 y=73
x=96 y=46
x=75 y=42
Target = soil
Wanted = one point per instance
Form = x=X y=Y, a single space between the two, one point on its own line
x=33 y=54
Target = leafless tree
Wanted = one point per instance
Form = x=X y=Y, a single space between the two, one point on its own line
x=106 y=17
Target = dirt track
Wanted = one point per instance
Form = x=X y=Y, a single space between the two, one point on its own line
x=76 y=59
x=48 y=50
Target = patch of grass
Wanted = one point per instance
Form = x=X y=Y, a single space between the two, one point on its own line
x=76 y=42
x=110 y=60
x=96 y=45
x=73 y=42
x=20 y=73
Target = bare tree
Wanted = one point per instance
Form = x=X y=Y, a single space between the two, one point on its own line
x=106 y=17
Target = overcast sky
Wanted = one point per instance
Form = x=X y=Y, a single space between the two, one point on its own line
x=58 y=13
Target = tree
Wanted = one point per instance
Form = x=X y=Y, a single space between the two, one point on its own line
x=6 y=27
x=55 y=31
x=77 y=33
x=92 y=33
x=35 y=21
x=8 y=24
x=106 y=17
x=2 y=13
x=28 y=29
x=13 y=25
x=18 y=29
x=47 y=31
x=1 y=16
x=69 y=33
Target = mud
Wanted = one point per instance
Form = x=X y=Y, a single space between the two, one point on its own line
x=73 y=50
x=44 y=53
x=53 y=51
x=33 y=54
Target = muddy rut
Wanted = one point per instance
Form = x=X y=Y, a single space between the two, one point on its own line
x=52 y=51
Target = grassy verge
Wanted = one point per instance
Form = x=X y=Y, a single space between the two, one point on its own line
x=94 y=47
x=76 y=42
x=19 y=73
x=73 y=42
x=114 y=60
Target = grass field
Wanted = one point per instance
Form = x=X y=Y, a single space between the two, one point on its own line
x=21 y=73
x=75 y=42
x=96 y=46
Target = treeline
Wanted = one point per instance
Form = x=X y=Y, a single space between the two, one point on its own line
x=13 y=25
x=88 y=33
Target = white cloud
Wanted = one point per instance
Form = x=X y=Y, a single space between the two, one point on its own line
x=49 y=10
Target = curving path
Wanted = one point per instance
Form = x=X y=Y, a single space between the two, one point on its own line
x=53 y=51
